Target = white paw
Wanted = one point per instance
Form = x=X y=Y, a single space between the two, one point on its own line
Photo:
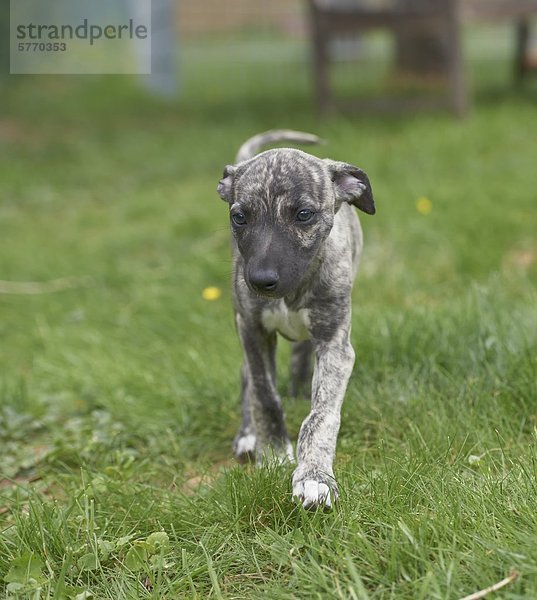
x=313 y=494
x=245 y=444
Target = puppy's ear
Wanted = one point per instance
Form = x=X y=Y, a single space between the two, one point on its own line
x=351 y=185
x=224 y=185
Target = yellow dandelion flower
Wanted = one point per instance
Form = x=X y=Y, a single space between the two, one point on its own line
x=211 y=293
x=424 y=206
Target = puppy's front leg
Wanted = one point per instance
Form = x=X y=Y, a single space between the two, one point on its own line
x=313 y=480
x=259 y=346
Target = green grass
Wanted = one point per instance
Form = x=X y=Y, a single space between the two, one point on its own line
x=120 y=394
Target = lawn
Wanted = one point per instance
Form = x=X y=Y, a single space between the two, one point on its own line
x=119 y=392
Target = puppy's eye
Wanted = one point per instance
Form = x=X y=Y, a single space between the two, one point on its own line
x=304 y=215
x=238 y=218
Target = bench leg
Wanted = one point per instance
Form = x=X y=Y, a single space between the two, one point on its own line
x=320 y=62
x=521 y=51
x=458 y=90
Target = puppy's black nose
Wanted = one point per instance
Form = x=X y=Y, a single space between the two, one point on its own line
x=264 y=281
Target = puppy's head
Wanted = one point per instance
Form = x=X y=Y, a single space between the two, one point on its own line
x=282 y=205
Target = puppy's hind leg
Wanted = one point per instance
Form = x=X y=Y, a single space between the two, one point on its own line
x=301 y=369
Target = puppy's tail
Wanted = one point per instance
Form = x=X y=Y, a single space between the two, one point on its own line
x=252 y=146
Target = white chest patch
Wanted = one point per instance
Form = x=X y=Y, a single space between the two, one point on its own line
x=292 y=325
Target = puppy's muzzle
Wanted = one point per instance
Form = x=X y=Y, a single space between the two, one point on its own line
x=264 y=281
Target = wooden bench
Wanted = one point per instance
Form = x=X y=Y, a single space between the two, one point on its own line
x=333 y=18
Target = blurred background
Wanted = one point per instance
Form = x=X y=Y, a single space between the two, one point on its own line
x=119 y=363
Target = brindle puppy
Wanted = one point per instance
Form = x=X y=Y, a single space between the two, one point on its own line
x=296 y=245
